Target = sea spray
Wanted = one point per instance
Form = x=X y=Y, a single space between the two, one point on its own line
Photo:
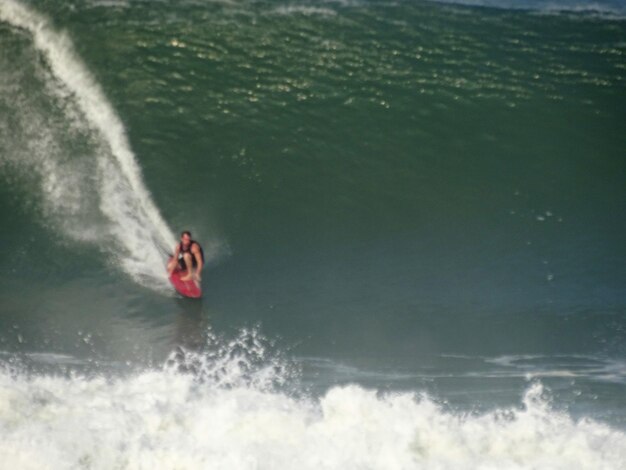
x=104 y=177
x=248 y=360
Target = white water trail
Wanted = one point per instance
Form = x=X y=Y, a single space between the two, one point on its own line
x=134 y=229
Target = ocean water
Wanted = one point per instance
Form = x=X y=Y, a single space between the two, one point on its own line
x=412 y=213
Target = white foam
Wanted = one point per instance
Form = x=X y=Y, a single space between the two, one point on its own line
x=227 y=408
x=573 y=365
x=165 y=419
x=110 y=175
x=305 y=10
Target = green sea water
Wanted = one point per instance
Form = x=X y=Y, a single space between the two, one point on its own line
x=407 y=196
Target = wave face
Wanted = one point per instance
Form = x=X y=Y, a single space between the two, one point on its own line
x=62 y=129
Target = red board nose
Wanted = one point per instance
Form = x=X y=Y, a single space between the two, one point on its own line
x=185 y=288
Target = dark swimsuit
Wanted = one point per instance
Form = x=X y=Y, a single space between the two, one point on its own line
x=181 y=250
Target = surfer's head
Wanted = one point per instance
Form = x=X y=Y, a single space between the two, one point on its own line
x=185 y=237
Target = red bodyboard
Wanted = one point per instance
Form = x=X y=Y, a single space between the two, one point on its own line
x=185 y=288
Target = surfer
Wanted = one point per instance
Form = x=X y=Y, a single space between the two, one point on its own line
x=188 y=254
